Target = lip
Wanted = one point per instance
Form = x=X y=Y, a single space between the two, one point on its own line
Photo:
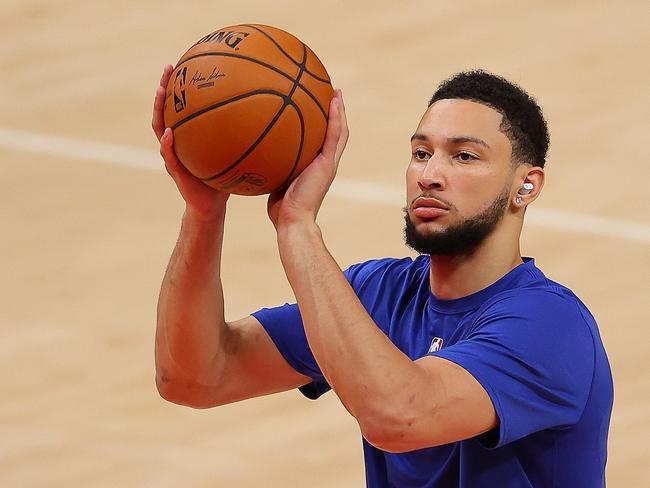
x=428 y=208
x=429 y=203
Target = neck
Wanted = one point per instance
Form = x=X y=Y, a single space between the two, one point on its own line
x=458 y=276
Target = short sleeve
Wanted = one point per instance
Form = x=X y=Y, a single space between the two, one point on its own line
x=533 y=352
x=284 y=325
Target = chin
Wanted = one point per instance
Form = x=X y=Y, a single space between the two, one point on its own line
x=434 y=225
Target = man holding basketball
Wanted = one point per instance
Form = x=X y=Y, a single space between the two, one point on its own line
x=464 y=367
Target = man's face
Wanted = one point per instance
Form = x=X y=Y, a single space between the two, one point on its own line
x=459 y=177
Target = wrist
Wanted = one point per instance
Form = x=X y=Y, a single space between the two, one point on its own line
x=214 y=217
x=298 y=232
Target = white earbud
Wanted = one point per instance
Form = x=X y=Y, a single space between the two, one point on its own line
x=526 y=188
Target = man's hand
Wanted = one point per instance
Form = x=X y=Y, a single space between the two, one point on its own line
x=203 y=202
x=302 y=200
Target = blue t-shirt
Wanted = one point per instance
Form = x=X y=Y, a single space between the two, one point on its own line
x=530 y=342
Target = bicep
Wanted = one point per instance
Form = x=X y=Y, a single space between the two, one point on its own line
x=254 y=365
x=459 y=408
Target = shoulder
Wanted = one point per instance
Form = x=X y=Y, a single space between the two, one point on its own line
x=539 y=297
x=382 y=284
x=545 y=316
x=386 y=270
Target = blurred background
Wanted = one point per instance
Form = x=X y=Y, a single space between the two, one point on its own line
x=89 y=220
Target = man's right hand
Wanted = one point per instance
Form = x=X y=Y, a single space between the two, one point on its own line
x=201 y=360
x=203 y=202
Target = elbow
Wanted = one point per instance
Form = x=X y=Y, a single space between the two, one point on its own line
x=182 y=393
x=403 y=430
x=390 y=433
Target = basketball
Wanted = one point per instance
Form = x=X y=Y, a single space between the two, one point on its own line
x=248 y=106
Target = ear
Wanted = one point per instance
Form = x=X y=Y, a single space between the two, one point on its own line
x=529 y=175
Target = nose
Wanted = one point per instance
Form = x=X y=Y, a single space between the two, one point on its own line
x=431 y=177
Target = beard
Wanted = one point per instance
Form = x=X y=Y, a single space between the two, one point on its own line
x=461 y=238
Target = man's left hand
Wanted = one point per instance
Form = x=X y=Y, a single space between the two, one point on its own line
x=301 y=201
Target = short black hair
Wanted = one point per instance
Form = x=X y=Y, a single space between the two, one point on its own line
x=523 y=122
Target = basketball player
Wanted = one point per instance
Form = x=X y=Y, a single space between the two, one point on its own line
x=465 y=367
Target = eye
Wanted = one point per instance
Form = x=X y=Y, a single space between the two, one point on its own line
x=465 y=157
x=421 y=155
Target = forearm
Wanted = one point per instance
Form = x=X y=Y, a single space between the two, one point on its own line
x=372 y=377
x=191 y=326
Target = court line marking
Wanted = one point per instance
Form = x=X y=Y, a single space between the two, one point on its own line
x=347 y=189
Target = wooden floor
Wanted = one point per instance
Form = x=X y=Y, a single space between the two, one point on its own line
x=89 y=220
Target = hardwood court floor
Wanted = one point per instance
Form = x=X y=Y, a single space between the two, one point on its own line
x=88 y=228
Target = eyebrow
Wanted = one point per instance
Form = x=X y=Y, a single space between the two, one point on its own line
x=456 y=140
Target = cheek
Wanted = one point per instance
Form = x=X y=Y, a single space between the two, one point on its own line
x=412 y=188
x=411 y=177
x=475 y=193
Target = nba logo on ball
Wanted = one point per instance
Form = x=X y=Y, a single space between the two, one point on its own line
x=436 y=344
x=179 y=90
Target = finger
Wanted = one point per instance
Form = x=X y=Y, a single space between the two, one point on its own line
x=333 y=129
x=167 y=73
x=345 y=133
x=158 y=120
x=172 y=163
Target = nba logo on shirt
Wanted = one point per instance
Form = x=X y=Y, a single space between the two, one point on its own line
x=436 y=344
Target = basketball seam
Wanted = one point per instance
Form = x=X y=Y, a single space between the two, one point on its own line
x=300 y=147
x=261 y=63
x=253 y=145
x=313 y=75
x=225 y=102
x=287 y=101
x=300 y=117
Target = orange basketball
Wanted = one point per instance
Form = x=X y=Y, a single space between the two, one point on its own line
x=248 y=105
